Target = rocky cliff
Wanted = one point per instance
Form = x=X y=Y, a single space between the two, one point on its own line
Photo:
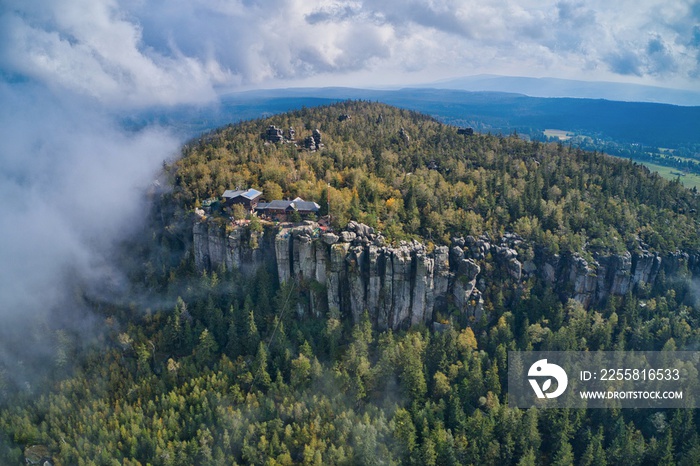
x=215 y=247
x=407 y=284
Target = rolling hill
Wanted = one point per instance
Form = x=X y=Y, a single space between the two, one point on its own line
x=648 y=124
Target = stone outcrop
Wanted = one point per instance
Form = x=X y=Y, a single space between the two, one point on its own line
x=273 y=134
x=595 y=279
x=645 y=266
x=466 y=131
x=283 y=257
x=403 y=135
x=309 y=143
x=407 y=284
x=214 y=248
x=398 y=286
x=313 y=142
x=590 y=280
x=584 y=279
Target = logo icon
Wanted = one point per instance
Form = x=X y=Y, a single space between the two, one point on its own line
x=542 y=368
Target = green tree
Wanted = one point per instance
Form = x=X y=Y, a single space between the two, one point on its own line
x=301 y=371
x=404 y=432
x=594 y=454
x=294 y=216
x=238 y=212
x=206 y=349
x=251 y=337
x=272 y=191
x=260 y=373
x=564 y=455
x=528 y=459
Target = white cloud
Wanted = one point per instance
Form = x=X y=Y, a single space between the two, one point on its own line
x=73 y=183
x=140 y=52
x=91 y=48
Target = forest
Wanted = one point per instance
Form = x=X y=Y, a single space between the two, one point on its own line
x=219 y=367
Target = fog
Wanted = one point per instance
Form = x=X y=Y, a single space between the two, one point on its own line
x=72 y=177
x=73 y=184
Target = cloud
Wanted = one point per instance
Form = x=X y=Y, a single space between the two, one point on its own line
x=271 y=41
x=92 y=48
x=625 y=63
x=661 y=60
x=336 y=12
x=656 y=58
x=561 y=38
x=695 y=37
x=572 y=19
x=72 y=183
x=144 y=52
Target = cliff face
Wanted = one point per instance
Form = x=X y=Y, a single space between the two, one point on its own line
x=617 y=274
x=406 y=284
x=397 y=286
x=214 y=248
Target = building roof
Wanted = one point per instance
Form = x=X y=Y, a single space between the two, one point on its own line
x=306 y=206
x=233 y=193
x=296 y=204
x=275 y=205
x=249 y=194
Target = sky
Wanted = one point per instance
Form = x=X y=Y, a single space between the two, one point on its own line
x=142 y=52
x=73 y=177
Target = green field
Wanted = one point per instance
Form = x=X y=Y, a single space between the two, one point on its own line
x=558 y=133
x=683 y=158
x=689 y=180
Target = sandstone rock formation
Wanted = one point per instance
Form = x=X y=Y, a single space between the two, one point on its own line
x=406 y=284
x=466 y=131
x=214 y=248
x=309 y=143
x=317 y=138
x=398 y=286
x=274 y=134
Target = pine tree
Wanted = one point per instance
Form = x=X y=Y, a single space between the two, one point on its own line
x=172 y=333
x=528 y=459
x=206 y=349
x=666 y=456
x=404 y=432
x=234 y=338
x=493 y=383
x=428 y=455
x=564 y=455
x=260 y=374
x=251 y=337
x=594 y=454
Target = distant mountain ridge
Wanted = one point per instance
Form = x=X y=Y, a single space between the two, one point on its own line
x=556 y=87
x=649 y=124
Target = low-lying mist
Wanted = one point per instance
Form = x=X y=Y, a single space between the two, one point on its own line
x=73 y=184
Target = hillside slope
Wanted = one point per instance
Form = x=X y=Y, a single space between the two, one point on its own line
x=410 y=176
x=591 y=226
x=228 y=346
x=643 y=123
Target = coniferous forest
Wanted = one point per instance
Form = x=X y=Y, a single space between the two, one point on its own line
x=218 y=367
